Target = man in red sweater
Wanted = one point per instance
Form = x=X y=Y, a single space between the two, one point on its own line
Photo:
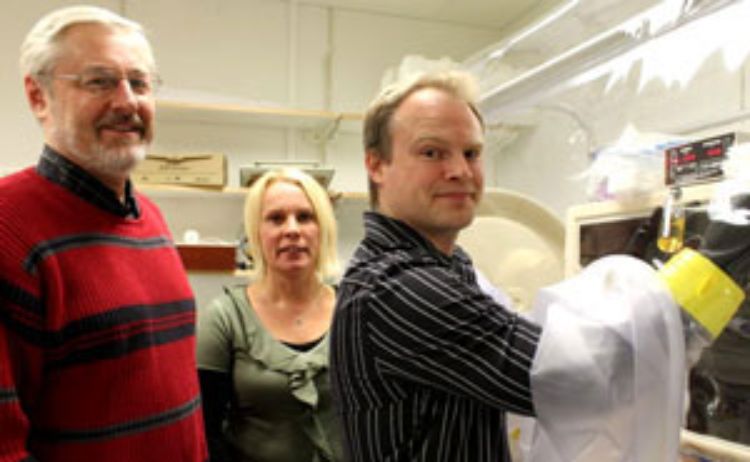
x=96 y=313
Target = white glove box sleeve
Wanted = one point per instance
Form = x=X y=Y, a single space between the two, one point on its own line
x=609 y=374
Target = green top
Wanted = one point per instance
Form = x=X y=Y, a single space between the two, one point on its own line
x=280 y=409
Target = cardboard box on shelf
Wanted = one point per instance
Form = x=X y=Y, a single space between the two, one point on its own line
x=193 y=169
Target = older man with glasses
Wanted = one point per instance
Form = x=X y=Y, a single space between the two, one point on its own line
x=96 y=314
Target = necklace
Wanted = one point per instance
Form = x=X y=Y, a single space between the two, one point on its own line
x=298 y=320
x=303 y=317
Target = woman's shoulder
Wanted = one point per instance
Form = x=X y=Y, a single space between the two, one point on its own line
x=228 y=316
x=230 y=304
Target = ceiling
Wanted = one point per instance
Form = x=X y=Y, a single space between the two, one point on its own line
x=584 y=20
x=581 y=20
x=530 y=33
x=500 y=15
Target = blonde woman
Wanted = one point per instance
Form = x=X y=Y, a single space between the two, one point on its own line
x=263 y=346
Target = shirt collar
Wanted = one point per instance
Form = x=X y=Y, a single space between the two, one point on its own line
x=67 y=174
x=389 y=232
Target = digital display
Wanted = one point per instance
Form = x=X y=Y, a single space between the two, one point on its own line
x=698 y=161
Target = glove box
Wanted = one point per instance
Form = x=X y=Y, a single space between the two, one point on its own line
x=602 y=228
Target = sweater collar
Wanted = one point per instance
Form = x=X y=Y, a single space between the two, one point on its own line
x=67 y=174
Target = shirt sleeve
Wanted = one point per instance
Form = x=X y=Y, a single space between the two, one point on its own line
x=429 y=326
x=216 y=388
x=214 y=358
x=214 y=335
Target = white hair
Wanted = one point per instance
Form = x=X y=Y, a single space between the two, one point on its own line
x=39 y=50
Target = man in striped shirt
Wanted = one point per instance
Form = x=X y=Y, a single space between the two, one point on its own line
x=97 y=319
x=424 y=364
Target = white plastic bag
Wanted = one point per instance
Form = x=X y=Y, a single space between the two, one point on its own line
x=632 y=166
x=608 y=377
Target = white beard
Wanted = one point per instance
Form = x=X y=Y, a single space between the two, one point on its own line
x=120 y=160
x=115 y=161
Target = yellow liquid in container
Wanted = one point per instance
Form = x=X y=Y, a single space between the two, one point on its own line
x=673 y=240
x=672 y=227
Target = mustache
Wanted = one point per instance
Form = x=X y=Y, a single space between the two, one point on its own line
x=114 y=119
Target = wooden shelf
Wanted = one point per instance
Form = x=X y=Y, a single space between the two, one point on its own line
x=176 y=191
x=276 y=117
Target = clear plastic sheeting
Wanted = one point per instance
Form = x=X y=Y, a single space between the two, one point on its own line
x=630 y=167
x=609 y=374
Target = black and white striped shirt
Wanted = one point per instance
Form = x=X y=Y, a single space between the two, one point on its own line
x=423 y=363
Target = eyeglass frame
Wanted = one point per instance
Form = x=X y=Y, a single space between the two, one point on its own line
x=152 y=81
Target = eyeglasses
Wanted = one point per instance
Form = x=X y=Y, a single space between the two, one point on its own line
x=105 y=81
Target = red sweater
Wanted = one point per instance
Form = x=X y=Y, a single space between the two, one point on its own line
x=97 y=349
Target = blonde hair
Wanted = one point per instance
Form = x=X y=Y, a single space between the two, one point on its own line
x=327 y=265
x=41 y=47
x=377 y=129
